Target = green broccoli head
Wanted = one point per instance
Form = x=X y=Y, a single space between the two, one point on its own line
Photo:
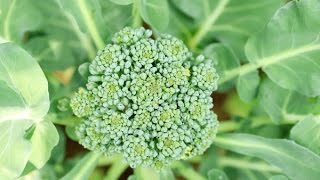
x=147 y=99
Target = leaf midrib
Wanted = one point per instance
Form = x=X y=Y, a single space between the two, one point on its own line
x=267 y=61
x=7 y=20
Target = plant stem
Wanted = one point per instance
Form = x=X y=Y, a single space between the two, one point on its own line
x=207 y=24
x=186 y=171
x=245 y=164
x=230 y=125
x=137 y=21
x=266 y=61
x=117 y=168
x=90 y=23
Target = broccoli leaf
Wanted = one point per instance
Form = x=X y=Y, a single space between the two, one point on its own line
x=282 y=104
x=289 y=43
x=87 y=14
x=155 y=13
x=247 y=85
x=45 y=137
x=230 y=21
x=278 y=177
x=296 y=161
x=307 y=133
x=17 y=17
x=17 y=67
x=122 y=2
x=214 y=174
x=23 y=104
x=15 y=150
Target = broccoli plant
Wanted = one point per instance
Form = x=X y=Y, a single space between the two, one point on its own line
x=160 y=89
x=148 y=100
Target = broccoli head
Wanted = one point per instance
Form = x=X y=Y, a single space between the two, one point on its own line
x=147 y=99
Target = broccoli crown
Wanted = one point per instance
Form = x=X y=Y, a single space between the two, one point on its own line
x=147 y=99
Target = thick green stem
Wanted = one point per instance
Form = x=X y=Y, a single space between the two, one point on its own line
x=245 y=164
x=186 y=171
x=117 y=168
x=90 y=23
x=266 y=61
x=137 y=21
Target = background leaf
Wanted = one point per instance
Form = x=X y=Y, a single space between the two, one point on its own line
x=287 y=44
x=278 y=177
x=22 y=74
x=17 y=17
x=155 y=13
x=122 y=2
x=230 y=21
x=307 y=133
x=44 y=138
x=15 y=149
x=294 y=160
x=282 y=104
x=247 y=85
x=87 y=14
x=21 y=116
x=215 y=174
x=84 y=167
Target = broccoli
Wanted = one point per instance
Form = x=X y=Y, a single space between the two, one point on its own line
x=147 y=99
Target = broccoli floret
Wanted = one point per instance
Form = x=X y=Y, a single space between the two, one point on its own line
x=147 y=99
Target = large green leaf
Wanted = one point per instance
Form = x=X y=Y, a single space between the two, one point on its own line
x=282 y=104
x=296 y=161
x=44 y=138
x=307 y=133
x=290 y=42
x=115 y=17
x=58 y=42
x=155 y=13
x=24 y=79
x=231 y=21
x=24 y=100
x=17 y=17
x=15 y=150
x=87 y=14
x=84 y=167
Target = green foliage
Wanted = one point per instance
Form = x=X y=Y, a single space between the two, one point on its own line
x=22 y=113
x=146 y=97
x=214 y=174
x=293 y=159
x=84 y=167
x=309 y=127
x=155 y=13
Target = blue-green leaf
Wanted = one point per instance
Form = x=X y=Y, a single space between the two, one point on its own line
x=307 y=133
x=87 y=14
x=216 y=174
x=155 y=13
x=288 y=49
x=247 y=86
x=282 y=104
x=17 y=17
x=122 y=2
x=296 y=161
